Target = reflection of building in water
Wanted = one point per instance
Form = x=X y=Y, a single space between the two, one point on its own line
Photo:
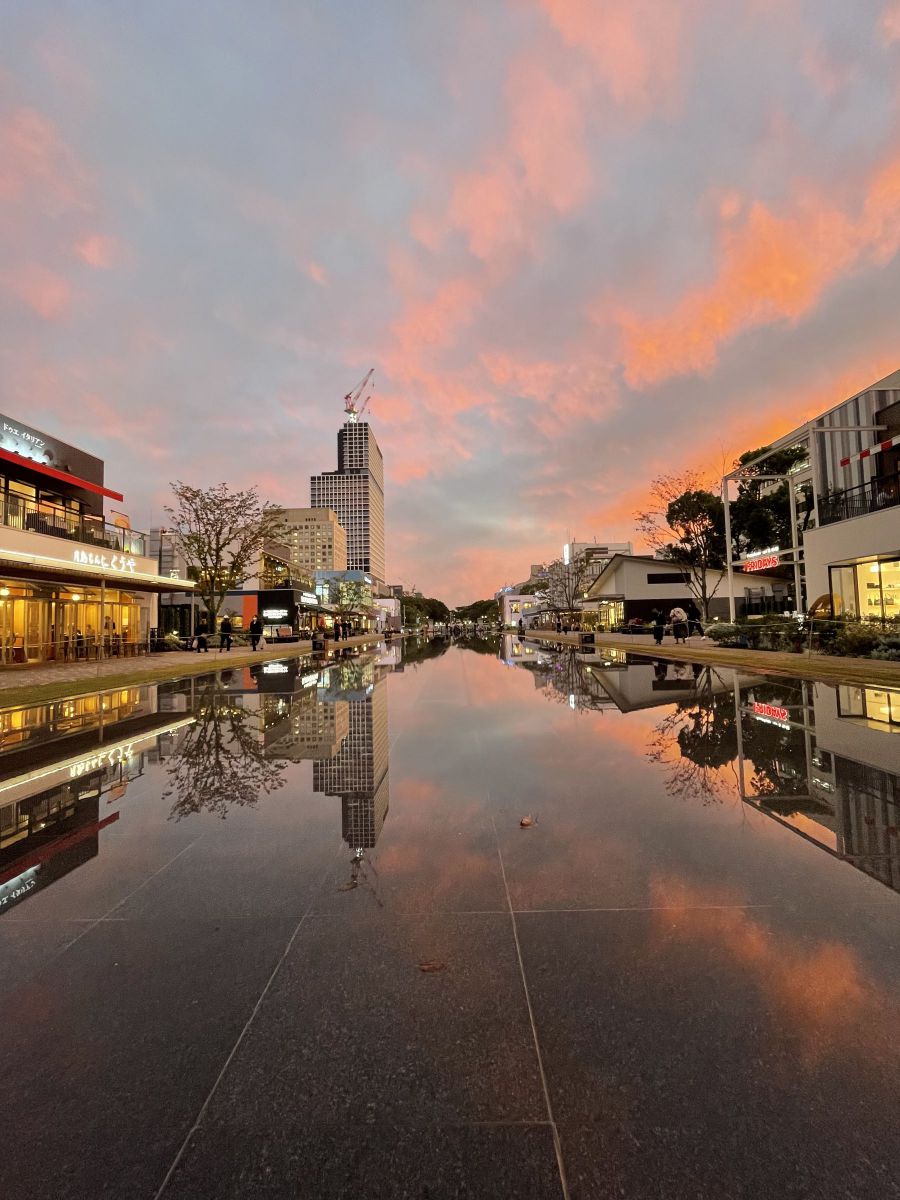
x=358 y=772
x=311 y=728
x=838 y=768
x=51 y=813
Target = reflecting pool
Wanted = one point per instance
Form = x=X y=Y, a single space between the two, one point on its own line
x=453 y=918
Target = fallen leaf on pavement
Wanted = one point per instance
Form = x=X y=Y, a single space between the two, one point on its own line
x=527 y=822
x=430 y=965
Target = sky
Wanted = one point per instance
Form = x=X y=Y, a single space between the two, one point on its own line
x=582 y=242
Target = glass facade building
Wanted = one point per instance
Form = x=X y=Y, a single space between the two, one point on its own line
x=355 y=491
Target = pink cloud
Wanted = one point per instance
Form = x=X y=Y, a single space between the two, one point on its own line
x=97 y=250
x=40 y=289
x=317 y=273
x=635 y=49
x=890 y=22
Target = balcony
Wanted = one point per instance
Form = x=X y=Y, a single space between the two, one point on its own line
x=877 y=494
x=33 y=517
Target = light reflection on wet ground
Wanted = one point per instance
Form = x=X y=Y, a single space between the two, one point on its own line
x=217 y=898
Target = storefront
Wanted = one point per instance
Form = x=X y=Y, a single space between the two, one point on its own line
x=72 y=584
x=868 y=588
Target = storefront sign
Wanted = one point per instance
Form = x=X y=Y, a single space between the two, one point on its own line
x=16 y=889
x=109 y=562
x=275 y=668
x=275 y=614
x=765 y=563
x=31 y=440
x=774 y=711
x=97 y=762
x=309 y=598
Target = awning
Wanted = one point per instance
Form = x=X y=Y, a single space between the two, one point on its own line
x=31 y=568
x=21 y=461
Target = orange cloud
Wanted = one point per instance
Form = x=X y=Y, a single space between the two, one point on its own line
x=41 y=290
x=36 y=164
x=771 y=268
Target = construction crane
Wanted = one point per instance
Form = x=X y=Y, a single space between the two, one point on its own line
x=352 y=398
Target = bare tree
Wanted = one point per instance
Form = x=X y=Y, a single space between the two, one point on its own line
x=567 y=583
x=686 y=525
x=221 y=762
x=221 y=534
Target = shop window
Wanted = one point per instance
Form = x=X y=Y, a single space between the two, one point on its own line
x=843 y=591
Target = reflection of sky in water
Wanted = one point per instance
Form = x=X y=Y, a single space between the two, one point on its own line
x=684 y=855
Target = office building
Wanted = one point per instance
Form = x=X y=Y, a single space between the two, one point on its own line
x=355 y=492
x=316 y=539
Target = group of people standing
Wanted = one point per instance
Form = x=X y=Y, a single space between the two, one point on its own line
x=342 y=630
x=684 y=622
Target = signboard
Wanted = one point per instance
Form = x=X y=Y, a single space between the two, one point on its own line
x=774 y=711
x=31 y=443
x=765 y=563
x=275 y=614
x=109 y=562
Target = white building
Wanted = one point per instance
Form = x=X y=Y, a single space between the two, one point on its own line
x=633 y=586
x=515 y=607
x=355 y=492
x=847 y=494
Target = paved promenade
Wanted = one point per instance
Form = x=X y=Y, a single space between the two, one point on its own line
x=60 y=679
x=806 y=665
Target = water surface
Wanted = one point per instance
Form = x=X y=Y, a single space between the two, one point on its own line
x=280 y=932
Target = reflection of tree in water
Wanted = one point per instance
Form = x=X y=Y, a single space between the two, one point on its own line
x=419 y=650
x=481 y=645
x=697 y=740
x=221 y=761
x=567 y=679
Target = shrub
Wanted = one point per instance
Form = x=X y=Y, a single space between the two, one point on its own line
x=726 y=635
x=888 y=649
x=857 y=639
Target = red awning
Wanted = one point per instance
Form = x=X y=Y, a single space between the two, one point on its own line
x=21 y=461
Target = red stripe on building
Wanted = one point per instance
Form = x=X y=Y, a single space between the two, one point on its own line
x=21 y=461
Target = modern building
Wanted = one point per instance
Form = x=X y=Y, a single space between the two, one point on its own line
x=358 y=772
x=516 y=607
x=355 y=492
x=72 y=583
x=632 y=586
x=846 y=493
x=316 y=539
x=596 y=555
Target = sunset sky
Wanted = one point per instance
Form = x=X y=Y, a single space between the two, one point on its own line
x=582 y=242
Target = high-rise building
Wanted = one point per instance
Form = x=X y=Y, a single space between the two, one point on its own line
x=317 y=540
x=355 y=491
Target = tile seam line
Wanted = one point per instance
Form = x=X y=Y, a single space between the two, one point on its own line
x=551 y=1119
x=548 y=1104
x=237 y=1045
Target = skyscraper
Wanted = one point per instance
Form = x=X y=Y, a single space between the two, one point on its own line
x=355 y=491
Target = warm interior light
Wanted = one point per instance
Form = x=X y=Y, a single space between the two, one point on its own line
x=76 y=597
x=875 y=567
x=4 y=591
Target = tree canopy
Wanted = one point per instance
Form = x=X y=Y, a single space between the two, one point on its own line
x=221 y=534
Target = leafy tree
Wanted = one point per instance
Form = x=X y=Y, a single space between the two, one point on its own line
x=686 y=523
x=419 y=610
x=351 y=596
x=221 y=761
x=221 y=534
x=761 y=513
x=480 y=610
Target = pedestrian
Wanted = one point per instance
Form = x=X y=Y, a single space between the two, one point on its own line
x=338 y=628
x=200 y=638
x=659 y=625
x=346 y=629
x=559 y=625
x=226 y=630
x=521 y=626
x=256 y=629
x=679 y=620
x=693 y=616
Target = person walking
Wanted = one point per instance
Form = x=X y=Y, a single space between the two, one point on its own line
x=679 y=620
x=659 y=625
x=693 y=617
x=226 y=630
x=200 y=638
x=338 y=630
x=256 y=629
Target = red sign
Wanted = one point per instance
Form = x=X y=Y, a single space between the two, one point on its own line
x=763 y=564
x=771 y=710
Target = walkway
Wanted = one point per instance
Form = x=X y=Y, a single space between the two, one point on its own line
x=867 y=672
x=56 y=680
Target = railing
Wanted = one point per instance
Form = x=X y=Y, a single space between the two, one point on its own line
x=33 y=517
x=879 y=493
